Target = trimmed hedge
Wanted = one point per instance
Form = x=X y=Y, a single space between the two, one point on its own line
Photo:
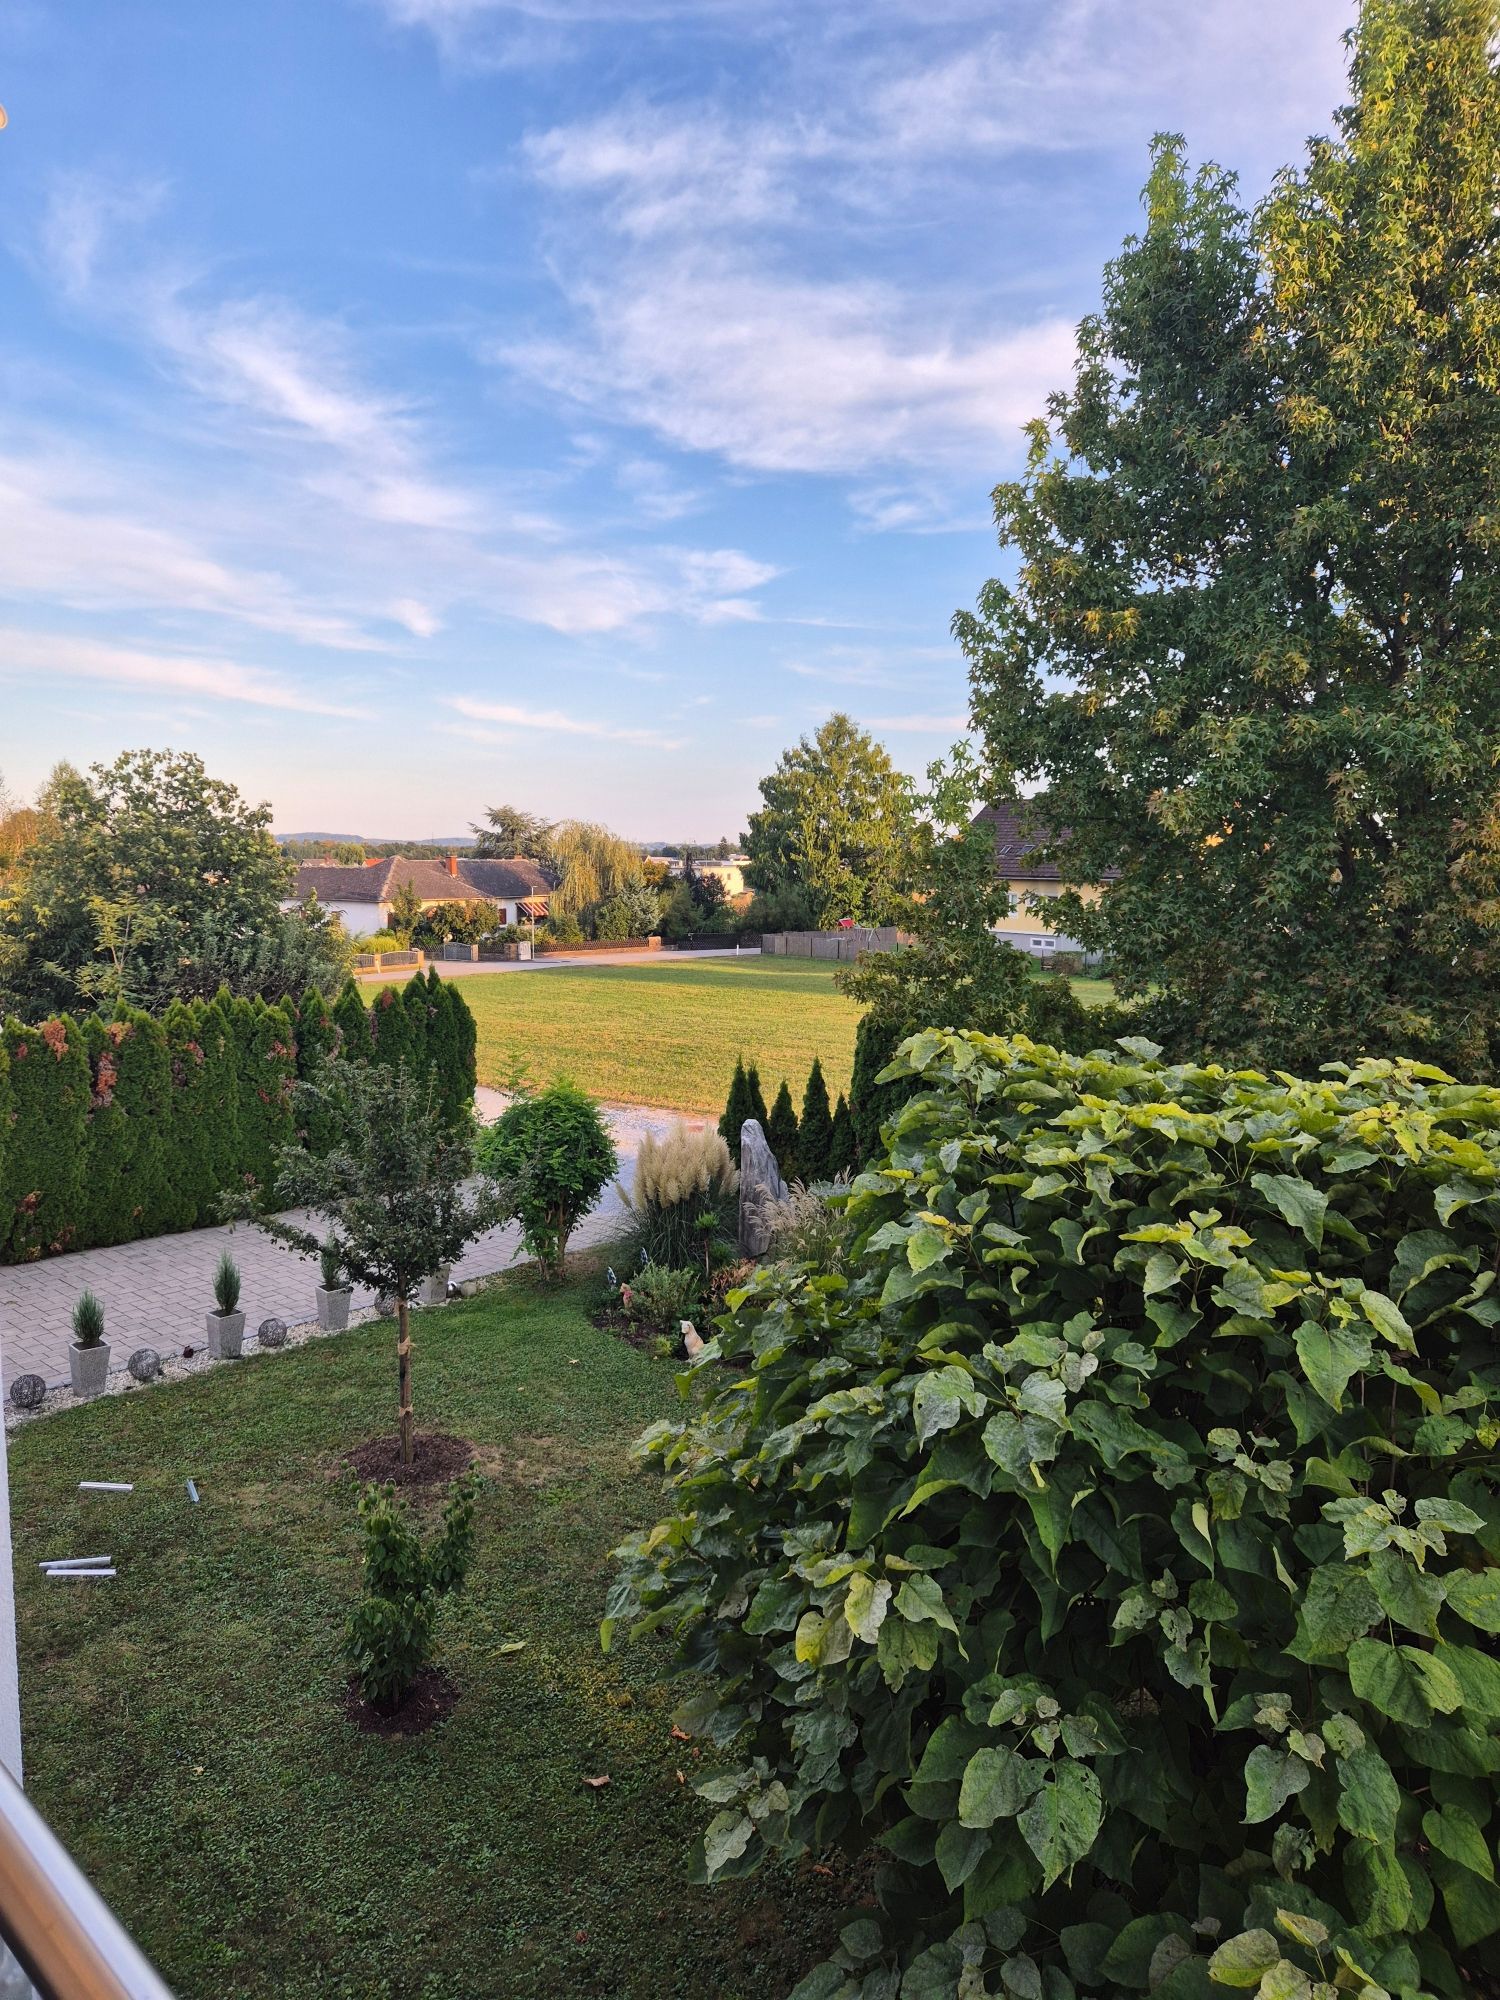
x=1117 y=1545
x=115 y=1130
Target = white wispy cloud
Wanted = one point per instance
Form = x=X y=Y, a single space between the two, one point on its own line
x=919 y=725
x=32 y=655
x=551 y=722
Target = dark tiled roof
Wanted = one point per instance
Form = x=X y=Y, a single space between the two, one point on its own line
x=1018 y=833
x=486 y=881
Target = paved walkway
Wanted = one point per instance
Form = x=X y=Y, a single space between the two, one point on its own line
x=467 y=968
x=156 y=1293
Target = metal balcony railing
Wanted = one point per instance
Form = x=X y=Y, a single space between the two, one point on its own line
x=63 y=1938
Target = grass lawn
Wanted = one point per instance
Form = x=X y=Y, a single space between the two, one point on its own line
x=669 y=1033
x=666 y=1033
x=182 y=1724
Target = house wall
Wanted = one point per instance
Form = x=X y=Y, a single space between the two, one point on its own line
x=361 y=919
x=1025 y=925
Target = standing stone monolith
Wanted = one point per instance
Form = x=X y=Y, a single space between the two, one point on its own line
x=761 y=1189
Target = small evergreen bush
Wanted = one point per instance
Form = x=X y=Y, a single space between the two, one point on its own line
x=88 y=1321
x=226 y=1284
x=738 y=1107
x=815 y=1127
x=1118 y=1546
x=781 y=1134
x=330 y=1266
x=390 y=1637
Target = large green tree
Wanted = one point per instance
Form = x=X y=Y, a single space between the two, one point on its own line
x=1250 y=645
x=148 y=880
x=834 y=831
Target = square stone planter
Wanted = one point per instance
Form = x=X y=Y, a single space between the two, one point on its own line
x=226 y=1335
x=434 y=1290
x=88 y=1367
x=333 y=1308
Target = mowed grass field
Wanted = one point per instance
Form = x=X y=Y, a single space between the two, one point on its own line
x=668 y=1033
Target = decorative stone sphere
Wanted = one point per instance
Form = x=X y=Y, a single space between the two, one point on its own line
x=28 y=1392
x=144 y=1364
x=272 y=1333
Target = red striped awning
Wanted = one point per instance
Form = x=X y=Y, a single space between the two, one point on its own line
x=533 y=910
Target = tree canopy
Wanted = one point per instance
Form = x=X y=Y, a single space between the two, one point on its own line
x=136 y=876
x=510 y=832
x=1250 y=646
x=833 y=834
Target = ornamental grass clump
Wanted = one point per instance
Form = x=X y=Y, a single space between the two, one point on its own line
x=1117 y=1548
x=682 y=1199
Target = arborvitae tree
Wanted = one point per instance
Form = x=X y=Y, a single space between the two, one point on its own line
x=265 y=1052
x=421 y=1022
x=841 y=1149
x=318 y=1041
x=43 y=1158
x=188 y=1142
x=442 y=1051
x=815 y=1132
x=224 y=1148
x=872 y=1103
x=1249 y=652
x=125 y=1176
x=465 y=1049
x=781 y=1132
x=737 y=1109
x=352 y=1019
x=757 y=1097
x=391 y=1029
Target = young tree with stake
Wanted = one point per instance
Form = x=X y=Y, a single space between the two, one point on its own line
x=392 y=1192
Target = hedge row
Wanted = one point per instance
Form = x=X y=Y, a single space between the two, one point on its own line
x=115 y=1130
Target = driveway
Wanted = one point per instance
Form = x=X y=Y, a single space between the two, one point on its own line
x=459 y=968
x=155 y=1293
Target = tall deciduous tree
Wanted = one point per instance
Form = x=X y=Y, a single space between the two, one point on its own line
x=834 y=829
x=1251 y=646
x=510 y=833
x=139 y=874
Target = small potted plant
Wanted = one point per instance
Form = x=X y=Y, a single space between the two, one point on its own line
x=333 y=1293
x=226 y=1323
x=88 y=1359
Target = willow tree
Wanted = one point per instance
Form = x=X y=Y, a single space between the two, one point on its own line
x=592 y=866
x=1250 y=648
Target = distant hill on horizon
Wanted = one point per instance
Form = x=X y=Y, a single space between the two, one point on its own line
x=382 y=840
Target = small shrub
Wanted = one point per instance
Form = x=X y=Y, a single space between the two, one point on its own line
x=815 y=1128
x=562 y=930
x=1117 y=1546
x=390 y=1633
x=226 y=1284
x=781 y=1134
x=738 y=1106
x=330 y=1265
x=842 y=1151
x=683 y=1196
x=553 y=1155
x=88 y=1321
x=660 y=1298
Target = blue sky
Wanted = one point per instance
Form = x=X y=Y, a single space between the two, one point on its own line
x=412 y=404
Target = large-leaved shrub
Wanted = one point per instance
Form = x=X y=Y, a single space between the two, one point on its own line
x=1118 y=1547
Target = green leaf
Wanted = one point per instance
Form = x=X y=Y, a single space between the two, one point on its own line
x=996 y=1785
x=1458 y=1835
x=725 y=1840
x=940 y=1399
x=1330 y=1355
x=1062 y=1821
x=1472 y=1903
x=1271 y=1778
x=1475 y=1595
x=778 y=1605
x=1407 y=1594
x=865 y=1605
x=1407 y=1685
x=960 y=1849
x=1306 y=1930
x=1244 y=1960
x=1338 y=1608
x=1386 y=1318
x=934 y=1975
x=1369 y=1797
x=1478 y=1674
x=920 y=1600
x=1297 y=1201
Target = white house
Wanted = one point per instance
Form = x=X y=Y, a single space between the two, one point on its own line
x=363 y=896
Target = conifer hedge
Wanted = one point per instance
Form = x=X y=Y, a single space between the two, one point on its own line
x=115 y=1130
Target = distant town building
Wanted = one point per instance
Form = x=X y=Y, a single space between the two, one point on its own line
x=1020 y=829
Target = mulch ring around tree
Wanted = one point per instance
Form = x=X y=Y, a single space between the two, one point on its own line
x=437 y=1457
x=428 y=1700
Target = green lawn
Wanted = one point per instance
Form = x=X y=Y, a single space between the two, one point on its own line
x=665 y=1033
x=182 y=1727
x=668 y=1033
